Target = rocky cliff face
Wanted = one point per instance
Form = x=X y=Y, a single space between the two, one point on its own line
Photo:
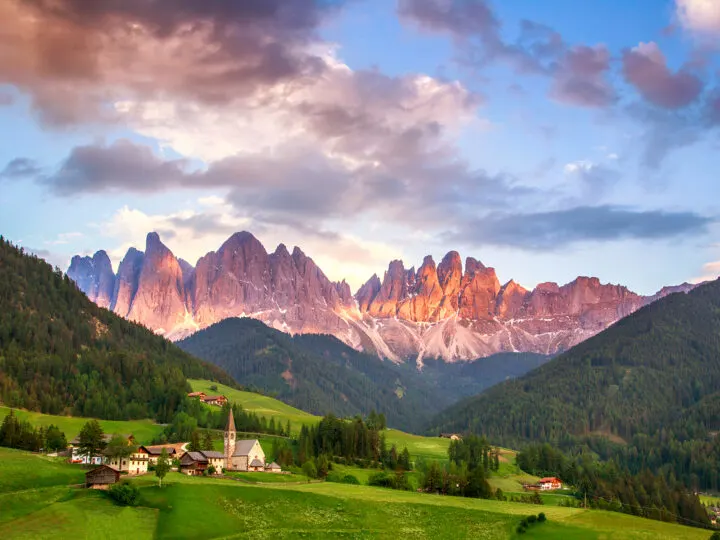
x=94 y=275
x=441 y=310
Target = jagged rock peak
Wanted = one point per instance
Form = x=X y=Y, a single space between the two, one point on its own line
x=281 y=251
x=239 y=239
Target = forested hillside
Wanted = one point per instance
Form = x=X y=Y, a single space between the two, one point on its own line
x=650 y=382
x=62 y=354
x=315 y=373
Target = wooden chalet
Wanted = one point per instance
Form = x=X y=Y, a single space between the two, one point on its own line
x=155 y=451
x=196 y=463
x=101 y=477
x=549 y=484
x=199 y=395
x=218 y=401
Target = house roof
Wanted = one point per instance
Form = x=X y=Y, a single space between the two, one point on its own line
x=197 y=456
x=273 y=465
x=548 y=479
x=213 y=398
x=157 y=450
x=212 y=454
x=96 y=470
x=256 y=463
x=244 y=446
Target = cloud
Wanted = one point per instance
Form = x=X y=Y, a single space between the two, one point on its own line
x=646 y=69
x=477 y=31
x=73 y=60
x=594 y=179
x=6 y=99
x=579 y=73
x=581 y=77
x=710 y=272
x=557 y=229
x=190 y=234
x=20 y=168
x=64 y=238
x=701 y=16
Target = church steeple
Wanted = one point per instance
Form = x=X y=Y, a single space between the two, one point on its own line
x=229 y=441
x=230 y=423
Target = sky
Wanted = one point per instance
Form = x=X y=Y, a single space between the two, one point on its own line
x=546 y=139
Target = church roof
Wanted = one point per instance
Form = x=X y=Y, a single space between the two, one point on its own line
x=243 y=447
x=231 y=422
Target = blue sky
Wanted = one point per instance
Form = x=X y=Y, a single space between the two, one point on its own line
x=547 y=139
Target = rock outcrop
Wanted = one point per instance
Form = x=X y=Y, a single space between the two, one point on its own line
x=437 y=311
x=94 y=276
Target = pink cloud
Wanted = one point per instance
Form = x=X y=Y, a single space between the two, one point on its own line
x=645 y=68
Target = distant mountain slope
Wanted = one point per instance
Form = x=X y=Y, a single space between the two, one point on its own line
x=320 y=374
x=62 y=354
x=451 y=310
x=639 y=375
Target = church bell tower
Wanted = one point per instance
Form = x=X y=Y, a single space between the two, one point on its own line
x=230 y=435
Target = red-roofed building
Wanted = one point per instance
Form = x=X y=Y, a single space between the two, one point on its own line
x=214 y=400
x=550 y=483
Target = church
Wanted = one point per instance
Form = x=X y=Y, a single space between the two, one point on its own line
x=242 y=455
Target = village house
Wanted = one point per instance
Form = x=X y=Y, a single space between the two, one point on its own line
x=273 y=468
x=549 y=484
x=101 y=477
x=451 y=436
x=199 y=395
x=77 y=457
x=218 y=401
x=135 y=463
x=242 y=455
x=173 y=450
x=196 y=463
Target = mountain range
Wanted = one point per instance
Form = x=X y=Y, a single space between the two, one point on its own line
x=449 y=310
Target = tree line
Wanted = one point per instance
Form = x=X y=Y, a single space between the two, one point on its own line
x=62 y=354
x=24 y=436
x=608 y=486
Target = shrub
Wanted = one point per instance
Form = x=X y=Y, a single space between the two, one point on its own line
x=521 y=529
x=124 y=493
x=541 y=518
x=350 y=479
x=309 y=469
x=531 y=520
x=715 y=536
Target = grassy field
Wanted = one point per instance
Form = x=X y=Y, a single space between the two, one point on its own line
x=425 y=447
x=265 y=478
x=259 y=404
x=199 y=507
x=144 y=430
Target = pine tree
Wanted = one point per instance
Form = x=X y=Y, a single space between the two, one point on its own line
x=207 y=443
x=194 y=445
x=91 y=441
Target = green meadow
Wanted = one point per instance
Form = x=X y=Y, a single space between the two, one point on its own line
x=144 y=430
x=206 y=508
x=257 y=403
x=418 y=446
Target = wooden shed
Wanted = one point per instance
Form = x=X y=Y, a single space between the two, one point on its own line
x=101 y=477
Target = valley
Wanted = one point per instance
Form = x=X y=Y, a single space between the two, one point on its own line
x=193 y=507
